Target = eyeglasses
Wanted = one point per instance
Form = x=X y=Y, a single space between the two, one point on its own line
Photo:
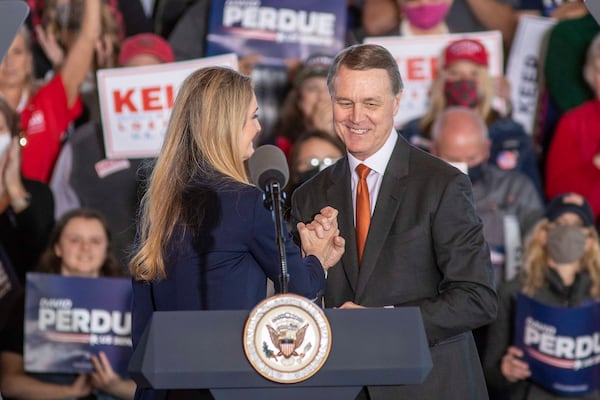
x=315 y=162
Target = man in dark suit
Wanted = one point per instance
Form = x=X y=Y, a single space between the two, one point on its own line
x=424 y=245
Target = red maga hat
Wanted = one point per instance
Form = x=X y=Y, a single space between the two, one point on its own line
x=467 y=50
x=145 y=43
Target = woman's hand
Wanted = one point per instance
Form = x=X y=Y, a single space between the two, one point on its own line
x=321 y=238
x=107 y=380
x=512 y=367
x=103 y=376
x=10 y=170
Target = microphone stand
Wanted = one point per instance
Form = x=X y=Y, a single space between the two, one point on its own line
x=273 y=202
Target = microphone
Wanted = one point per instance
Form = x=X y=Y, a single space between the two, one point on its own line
x=269 y=171
x=593 y=7
x=268 y=165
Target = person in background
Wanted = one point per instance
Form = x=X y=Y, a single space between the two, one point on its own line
x=47 y=111
x=440 y=16
x=84 y=177
x=26 y=206
x=413 y=236
x=79 y=246
x=313 y=151
x=557 y=9
x=271 y=82
x=61 y=23
x=376 y=18
x=506 y=201
x=424 y=17
x=307 y=105
x=565 y=87
x=483 y=15
x=561 y=268
x=464 y=80
x=56 y=45
x=573 y=162
x=207 y=234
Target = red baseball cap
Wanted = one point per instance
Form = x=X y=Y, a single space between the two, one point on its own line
x=145 y=43
x=467 y=50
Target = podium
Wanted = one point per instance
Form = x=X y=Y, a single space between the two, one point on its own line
x=204 y=349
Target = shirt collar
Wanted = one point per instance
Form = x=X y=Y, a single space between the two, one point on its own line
x=378 y=161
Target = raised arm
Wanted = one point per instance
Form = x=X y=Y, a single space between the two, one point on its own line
x=80 y=55
x=495 y=15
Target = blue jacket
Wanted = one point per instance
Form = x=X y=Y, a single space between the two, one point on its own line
x=223 y=261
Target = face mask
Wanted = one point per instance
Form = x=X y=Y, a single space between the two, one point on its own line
x=475 y=173
x=566 y=243
x=461 y=93
x=461 y=166
x=4 y=142
x=426 y=16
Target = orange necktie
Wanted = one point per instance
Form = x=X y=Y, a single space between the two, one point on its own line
x=363 y=209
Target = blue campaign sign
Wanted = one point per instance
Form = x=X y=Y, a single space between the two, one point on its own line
x=276 y=29
x=67 y=319
x=561 y=345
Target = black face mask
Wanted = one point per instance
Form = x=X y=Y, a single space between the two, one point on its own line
x=476 y=173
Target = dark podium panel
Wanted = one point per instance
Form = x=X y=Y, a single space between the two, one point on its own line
x=204 y=349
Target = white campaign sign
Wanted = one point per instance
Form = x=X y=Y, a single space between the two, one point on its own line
x=417 y=58
x=523 y=68
x=136 y=103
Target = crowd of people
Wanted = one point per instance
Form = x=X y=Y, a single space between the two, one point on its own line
x=456 y=211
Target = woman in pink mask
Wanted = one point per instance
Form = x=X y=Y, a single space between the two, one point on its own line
x=424 y=17
x=406 y=17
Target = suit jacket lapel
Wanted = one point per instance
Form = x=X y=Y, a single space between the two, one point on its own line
x=393 y=189
x=339 y=195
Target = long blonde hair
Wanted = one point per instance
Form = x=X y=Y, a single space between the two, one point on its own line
x=533 y=274
x=203 y=136
x=437 y=98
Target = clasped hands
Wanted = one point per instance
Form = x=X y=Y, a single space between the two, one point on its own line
x=321 y=238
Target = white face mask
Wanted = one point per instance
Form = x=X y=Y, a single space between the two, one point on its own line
x=4 y=142
x=461 y=166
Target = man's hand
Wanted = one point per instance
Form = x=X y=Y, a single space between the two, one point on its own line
x=321 y=238
x=350 y=305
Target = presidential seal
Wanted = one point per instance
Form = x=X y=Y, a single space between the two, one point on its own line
x=287 y=338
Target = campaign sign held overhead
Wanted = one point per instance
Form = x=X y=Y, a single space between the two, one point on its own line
x=69 y=319
x=276 y=29
x=560 y=344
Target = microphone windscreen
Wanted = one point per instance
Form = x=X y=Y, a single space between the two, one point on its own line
x=267 y=164
x=593 y=7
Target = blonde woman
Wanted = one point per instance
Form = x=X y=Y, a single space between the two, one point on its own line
x=206 y=239
x=561 y=268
